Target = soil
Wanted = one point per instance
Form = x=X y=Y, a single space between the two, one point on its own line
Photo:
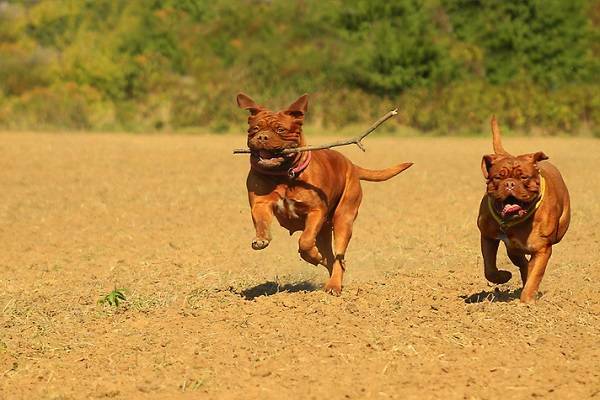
x=165 y=219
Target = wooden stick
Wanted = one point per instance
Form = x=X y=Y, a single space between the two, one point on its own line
x=355 y=140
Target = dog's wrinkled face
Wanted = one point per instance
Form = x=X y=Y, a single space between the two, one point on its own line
x=512 y=182
x=270 y=132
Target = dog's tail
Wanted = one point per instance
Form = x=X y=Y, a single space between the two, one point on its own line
x=381 y=174
x=498 y=148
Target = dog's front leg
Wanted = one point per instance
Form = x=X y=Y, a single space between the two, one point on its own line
x=262 y=215
x=489 y=250
x=535 y=272
x=307 y=242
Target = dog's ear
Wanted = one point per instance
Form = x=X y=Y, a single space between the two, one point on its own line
x=299 y=107
x=244 y=101
x=538 y=156
x=486 y=164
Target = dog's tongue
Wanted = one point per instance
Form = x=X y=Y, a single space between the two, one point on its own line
x=511 y=209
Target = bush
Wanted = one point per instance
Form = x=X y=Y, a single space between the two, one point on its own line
x=61 y=106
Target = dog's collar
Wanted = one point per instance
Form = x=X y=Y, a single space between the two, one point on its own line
x=506 y=224
x=296 y=169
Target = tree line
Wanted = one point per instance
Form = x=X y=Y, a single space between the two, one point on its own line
x=151 y=65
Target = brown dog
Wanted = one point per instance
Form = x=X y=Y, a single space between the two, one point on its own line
x=315 y=192
x=527 y=207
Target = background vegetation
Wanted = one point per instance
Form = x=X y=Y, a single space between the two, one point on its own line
x=142 y=65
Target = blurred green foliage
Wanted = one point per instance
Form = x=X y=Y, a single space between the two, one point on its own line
x=140 y=65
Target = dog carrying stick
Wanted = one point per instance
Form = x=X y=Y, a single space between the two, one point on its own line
x=320 y=199
x=356 y=140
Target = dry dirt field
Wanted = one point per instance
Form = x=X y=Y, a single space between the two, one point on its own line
x=166 y=217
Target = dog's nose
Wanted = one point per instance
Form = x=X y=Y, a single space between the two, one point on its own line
x=510 y=185
x=262 y=137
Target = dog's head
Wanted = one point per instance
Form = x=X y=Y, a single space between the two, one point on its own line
x=271 y=132
x=513 y=182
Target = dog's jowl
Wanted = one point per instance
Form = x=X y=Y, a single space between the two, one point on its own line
x=526 y=206
x=316 y=192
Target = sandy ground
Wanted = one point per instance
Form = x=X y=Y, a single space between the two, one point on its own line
x=166 y=217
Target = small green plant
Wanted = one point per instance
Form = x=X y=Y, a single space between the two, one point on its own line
x=191 y=385
x=114 y=297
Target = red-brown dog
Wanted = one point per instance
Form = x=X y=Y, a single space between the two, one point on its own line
x=315 y=192
x=527 y=207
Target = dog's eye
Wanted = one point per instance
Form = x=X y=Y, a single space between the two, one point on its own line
x=280 y=130
x=525 y=177
x=254 y=129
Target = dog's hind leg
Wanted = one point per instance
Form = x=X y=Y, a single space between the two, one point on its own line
x=343 y=219
x=325 y=246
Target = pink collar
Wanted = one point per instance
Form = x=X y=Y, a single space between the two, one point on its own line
x=292 y=173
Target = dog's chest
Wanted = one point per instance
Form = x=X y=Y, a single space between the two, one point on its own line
x=289 y=208
x=513 y=242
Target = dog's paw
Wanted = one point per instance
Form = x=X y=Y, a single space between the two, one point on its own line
x=499 y=277
x=529 y=297
x=259 y=244
x=333 y=289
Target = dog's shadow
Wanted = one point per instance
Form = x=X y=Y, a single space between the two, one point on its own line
x=271 y=287
x=493 y=296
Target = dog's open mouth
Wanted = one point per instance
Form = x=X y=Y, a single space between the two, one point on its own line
x=512 y=207
x=269 y=158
